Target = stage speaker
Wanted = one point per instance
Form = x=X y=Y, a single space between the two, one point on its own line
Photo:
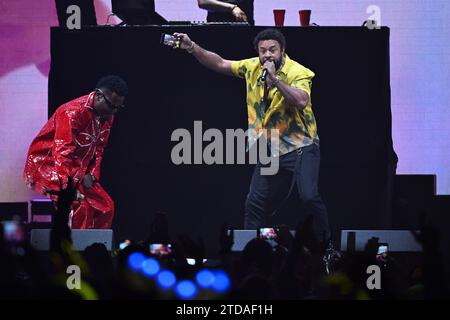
x=42 y=211
x=241 y=238
x=398 y=240
x=40 y=238
x=137 y=12
x=87 y=11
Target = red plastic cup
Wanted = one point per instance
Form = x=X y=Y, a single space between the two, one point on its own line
x=305 y=17
x=278 y=15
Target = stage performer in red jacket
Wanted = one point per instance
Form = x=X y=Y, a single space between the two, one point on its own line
x=71 y=144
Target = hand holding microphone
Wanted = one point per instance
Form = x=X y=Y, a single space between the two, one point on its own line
x=264 y=74
x=268 y=69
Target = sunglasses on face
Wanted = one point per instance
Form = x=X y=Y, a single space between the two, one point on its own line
x=109 y=103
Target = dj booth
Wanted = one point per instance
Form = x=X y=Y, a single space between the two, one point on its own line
x=169 y=89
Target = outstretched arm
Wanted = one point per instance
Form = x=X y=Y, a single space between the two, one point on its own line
x=207 y=58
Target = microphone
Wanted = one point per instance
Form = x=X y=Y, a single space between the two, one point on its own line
x=264 y=74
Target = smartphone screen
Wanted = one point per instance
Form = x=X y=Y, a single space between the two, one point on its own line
x=191 y=261
x=124 y=244
x=170 y=40
x=13 y=231
x=268 y=233
x=383 y=250
x=160 y=249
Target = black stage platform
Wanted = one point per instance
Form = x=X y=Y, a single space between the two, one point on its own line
x=169 y=90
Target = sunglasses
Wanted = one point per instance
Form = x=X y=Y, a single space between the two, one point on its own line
x=109 y=103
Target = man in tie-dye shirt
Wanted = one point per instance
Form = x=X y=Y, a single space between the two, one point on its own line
x=278 y=97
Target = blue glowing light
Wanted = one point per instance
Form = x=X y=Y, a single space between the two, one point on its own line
x=205 y=278
x=150 y=267
x=221 y=281
x=166 y=279
x=186 y=289
x=135 y=260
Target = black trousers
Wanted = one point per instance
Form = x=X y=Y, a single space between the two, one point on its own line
x=300 y=167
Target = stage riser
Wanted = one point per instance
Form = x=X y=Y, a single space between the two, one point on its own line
x=40 y=238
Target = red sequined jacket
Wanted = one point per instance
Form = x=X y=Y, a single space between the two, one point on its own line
x=71 y=143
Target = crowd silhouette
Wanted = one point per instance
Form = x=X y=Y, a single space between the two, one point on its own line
x=291 y=268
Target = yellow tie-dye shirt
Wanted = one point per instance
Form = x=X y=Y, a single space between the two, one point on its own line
x=297 y=128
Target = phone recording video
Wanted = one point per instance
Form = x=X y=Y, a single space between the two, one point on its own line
x=383 y=250
x=160 y=249
x=170 y=40
x=268 y=233
x=13 y=231
x=123 y=244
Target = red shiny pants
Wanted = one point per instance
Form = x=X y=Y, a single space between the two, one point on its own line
x=95 y=211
